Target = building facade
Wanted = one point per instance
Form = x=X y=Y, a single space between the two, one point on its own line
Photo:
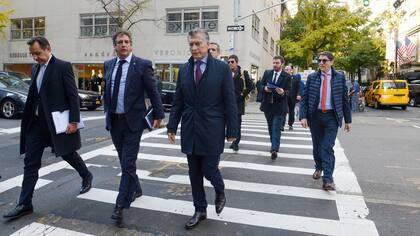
x=80 y=32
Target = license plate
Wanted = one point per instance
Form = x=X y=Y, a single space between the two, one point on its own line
x=98 y=102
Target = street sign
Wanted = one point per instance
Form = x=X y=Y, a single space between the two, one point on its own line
x=235 y=27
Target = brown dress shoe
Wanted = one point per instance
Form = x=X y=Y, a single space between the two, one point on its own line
x=317 y=174
x=329 y=186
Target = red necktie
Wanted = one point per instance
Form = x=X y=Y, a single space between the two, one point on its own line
x=324 y=92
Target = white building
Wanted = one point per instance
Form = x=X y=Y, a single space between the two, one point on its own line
x=80 y=32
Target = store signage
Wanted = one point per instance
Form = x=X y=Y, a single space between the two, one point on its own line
x=19 y=55
x=172 y=52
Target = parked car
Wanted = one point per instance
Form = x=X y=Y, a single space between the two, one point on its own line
x=167 y=94
x=414 y=92
x=387 y=93
x=13 y=95
x=90 y=99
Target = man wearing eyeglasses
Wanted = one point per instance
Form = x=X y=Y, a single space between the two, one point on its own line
x=243 y=86
x=324 y=104
x=275 y=84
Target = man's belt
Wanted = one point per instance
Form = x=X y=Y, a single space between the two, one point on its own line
x=118 y=116
x=326 y=111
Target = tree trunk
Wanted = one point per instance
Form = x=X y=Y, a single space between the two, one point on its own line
x=359 y=75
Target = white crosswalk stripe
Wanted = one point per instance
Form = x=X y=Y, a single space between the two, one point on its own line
x=38 y=229
x=293 y=161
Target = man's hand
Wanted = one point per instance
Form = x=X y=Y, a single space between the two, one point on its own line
x=71 y=128
x=304 y=123
x=171 y=138
x=280 y=91
x=156 y=123
x=230 y=139
x=298 y=98
x=267 y=89
x=347 y=127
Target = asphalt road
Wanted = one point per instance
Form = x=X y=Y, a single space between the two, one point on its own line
x=264 y=197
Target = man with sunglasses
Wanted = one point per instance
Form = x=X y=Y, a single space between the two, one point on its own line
x=243 y=86
x=324 y=104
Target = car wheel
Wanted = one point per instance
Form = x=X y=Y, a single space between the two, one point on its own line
x=412 y=102
x=91 y=108
x=377 y=105
x=8 y=108
x=403 y=108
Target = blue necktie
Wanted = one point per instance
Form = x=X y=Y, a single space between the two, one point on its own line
x=117 y=80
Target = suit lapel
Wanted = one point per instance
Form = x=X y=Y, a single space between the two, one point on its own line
x=130 y=75
x=108 y=78
x=47 y=73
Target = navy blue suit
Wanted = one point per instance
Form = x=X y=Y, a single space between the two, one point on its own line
x=126 y=128
x=324 y=125
x=274 y=105
x=208 y=112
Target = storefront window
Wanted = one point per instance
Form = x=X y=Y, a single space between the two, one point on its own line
x=254 y=73
x=27 y=28
x=90 y=77
x=167 y=71
x=184 y=20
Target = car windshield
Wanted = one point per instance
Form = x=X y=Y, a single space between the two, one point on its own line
x=394 y=85
x=12 y=82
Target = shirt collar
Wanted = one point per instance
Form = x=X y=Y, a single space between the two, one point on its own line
x=328 y=73
x=278 y=72
x=128 y=59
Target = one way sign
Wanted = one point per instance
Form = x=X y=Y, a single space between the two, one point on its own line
x=235 y=27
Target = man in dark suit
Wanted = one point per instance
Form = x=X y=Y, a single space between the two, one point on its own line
x=127 y=78
x=53 y=88
x=324 y=104
x=205 y=100
x=293 y=96
x=275 y=84
x=243 y=86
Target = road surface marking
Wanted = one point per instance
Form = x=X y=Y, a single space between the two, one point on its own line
x=243 y=216
x=37 y=229
x=283 y=137
x=282 y=132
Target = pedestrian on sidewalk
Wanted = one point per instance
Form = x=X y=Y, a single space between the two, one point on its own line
x=275 y=84
x=127 y=79
x=323 y=106
x=243 y=87
x=354 y=95
x=53 y=88
x=214 y=49
x=292 y=97
x=205 y=104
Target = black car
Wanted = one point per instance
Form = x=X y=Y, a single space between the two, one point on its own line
x=89 y=99
x=167 y=94
x=13 y=95
x=414 y=92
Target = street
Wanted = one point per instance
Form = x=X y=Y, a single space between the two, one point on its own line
x=376 y=176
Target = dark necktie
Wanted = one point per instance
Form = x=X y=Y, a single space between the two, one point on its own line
x=198 y=73
x=275 y=78
x=117 y=80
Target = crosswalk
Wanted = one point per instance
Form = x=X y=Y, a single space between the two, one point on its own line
x=269 y=197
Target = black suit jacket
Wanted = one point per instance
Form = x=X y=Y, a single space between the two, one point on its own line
x=139 y=79
x=208 y=111
x=242 y=88
x=273 y=102
x=294 y=88
x=58 y=93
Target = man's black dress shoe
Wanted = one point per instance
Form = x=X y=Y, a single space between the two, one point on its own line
x=117 y=215
x=220 y=202
x=86 y=184
x=235 y=147
x=19 y=211
x=273 y=155
x=137 y=195
x=195 y=219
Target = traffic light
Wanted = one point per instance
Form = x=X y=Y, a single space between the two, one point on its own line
x=365 y=3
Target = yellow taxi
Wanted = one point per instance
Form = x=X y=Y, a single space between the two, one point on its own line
x=387 y=93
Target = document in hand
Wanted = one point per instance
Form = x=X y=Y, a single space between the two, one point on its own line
x=61 y=121
x=272 y=86
x=149 y=118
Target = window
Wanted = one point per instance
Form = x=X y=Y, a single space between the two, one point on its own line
x=97 y=25
x=272 y=47
x=265 y=39
x=27 y=28
x=255 y=27
x=183 y=20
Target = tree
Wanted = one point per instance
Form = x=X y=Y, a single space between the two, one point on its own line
x=317 y=26
x=125 y=13
x=4 y=16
